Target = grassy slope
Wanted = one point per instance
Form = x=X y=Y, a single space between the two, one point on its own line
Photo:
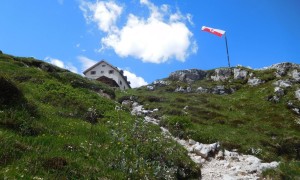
x=244 y=120
x=47 y=130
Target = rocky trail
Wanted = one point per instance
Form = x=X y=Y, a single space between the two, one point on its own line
x=216 y=164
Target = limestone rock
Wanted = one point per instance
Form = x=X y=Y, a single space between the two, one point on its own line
x=255 y=81
x=188 y=75
x=136 y=109
x=150 y=88
x=279 y=91
x=222 y=74
x=239 y=73
x=274 y=99
x=188 y=89
x=295 y=75
x=283 y=68
x=201 y=90
x=127 y=103
x=161 y=83
x=183 y=90
x=180 y=89
x=192 y=142
x=283 y=83
x=203 y=150
x=221 y=90
x=265 y=166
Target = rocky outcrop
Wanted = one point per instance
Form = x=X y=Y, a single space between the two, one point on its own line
x=283 y=68
x=295 y=74
x=161 y=83
x=221 y=74
x=188 y=75
x=221 y=90
x=150 y=88
x=202 y=90
x=183 y=90
x=279 y=91
x=255 y=81
x=239 y=73
x=283 y=83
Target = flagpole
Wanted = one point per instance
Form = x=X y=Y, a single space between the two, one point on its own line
x=227 y=50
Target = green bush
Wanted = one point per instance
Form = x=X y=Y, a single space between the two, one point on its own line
x=177 y=125
x=10 y=94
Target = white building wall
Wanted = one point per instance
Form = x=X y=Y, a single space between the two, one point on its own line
x=103 y=69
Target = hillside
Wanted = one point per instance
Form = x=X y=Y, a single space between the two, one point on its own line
x=58 y=125
x=247 y=111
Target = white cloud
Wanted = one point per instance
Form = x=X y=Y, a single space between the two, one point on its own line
x=155 y=39
x=86 y=62
x=104 y=13
x=61 y=64
x=72 y=68
x=134 y=79
x=55 y=62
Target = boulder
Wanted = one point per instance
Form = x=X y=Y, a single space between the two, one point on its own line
x=150 y=88
x=255 y=81
x=161 y=83
x=190 y=75
x=136 y=109
x=180 y=89
x=188 y=89
x=201 y=90
x=274 y=99
x=265 y=166
x=279 y=91
x=295 y=75
x=283 y=83
x=221 y=90
x=127 y=103
x=239 y=73
x=192 y=142
x=221 y=74
x=204 y=150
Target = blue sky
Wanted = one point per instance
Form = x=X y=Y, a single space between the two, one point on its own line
x=149 y=39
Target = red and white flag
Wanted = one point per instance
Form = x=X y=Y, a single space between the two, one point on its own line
x=217 y=32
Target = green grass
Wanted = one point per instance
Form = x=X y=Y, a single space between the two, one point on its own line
x=57 y=125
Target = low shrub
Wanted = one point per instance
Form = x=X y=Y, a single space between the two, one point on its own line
x=154 y=99
x=177 y=125
x=56 y=163
x=10 y=94
x=11 y=150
